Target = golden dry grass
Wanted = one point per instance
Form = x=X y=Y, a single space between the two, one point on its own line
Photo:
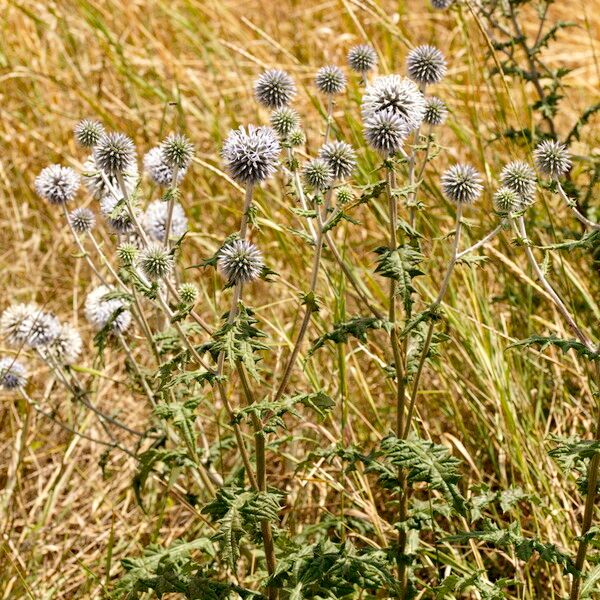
x=149 y=67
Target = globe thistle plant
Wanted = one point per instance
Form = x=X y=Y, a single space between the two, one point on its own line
x=318 y=174
x=362 y=58
x=274 y=88
x=505 y=201
x=461 y=184
x=188 y=293
x=344 y=195
x=13 y=374
x=95 y=183
x=155 y=220
x=158 y=170
x=156 y=262
x=251 y=155
x=177 y=151
x=100 y=310
x=284 y=120
x=426 y=65
x=552 y=158
x=82 y=220
x=66 y=346
x=519 y=177
x=11 y=320
x=296 y=138
x=88 y=132
x=116 y=214
x=114 y=153
x=39 y=329
x=127 y=253
x=398 y=95
x=330 y=80
x=240 y=262
x=340 y=156
x=435 y=111
x=57 y=184
x=385 y=131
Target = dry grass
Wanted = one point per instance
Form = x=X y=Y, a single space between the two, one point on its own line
x=150 y=66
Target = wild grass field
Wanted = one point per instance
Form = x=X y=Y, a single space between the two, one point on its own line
x=69 y=512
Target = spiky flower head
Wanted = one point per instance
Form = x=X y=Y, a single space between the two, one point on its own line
x=88 y=132
x=505 y=201
x=158 y=170
x=340 y=156
x=12 y=373
x=57 y=184
x=396 y=94
x=116 y=214
x=95 y=183
x=296 y=138
x=317 y=174
x=101 y=308
x=11 y=320
x=461 y=183
x=188 y=293
x=552 y=158
x=441 y=4
x=385 y=131
x=426 y=65
x=39 y=329
x=362 y=58
x=435 y=111
x=240 y=262
x=127 y=254
x=519 y=177
x=66 y=346
x=344 y=195
x=114 y=153
x=156 y=261
x=82 y=220
x=274 y=88
x=284 y=120
x=155 y=220
x=330 y=80
x=251 y=156
x=177 y=151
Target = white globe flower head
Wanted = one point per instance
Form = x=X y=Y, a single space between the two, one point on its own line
x=116 y=214
x=66 y=347
x=159 y=171
x=95 y=180
x=103 y=308
x=57 y=184
x=11 y=320
x=155 y=220
x=13 y=374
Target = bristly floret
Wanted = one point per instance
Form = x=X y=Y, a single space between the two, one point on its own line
x=57 y=184
x=94 y=181
x=330 y=80
x=519 y=177
x=39 y=329
x=158 y=170
x=274 y=88
x=11 y=320
x=114 y=153
x=188 y=293
x=88 y=132
x=385 y=131
x=506 y=201
x=284 y=120
x=82 y=220
x=177 y=151
x=101 y=309
x=127 y=253
x=435 y=111
x=240 y=262
x=397 y=94
x=552 y=158
x=66 y=346
x=251 y=156
x=341 y=157
x=362 y=58
x=116 y=214
x=296 y=138
x=317 y=174
x=13 y=374
x=426 y=65
x=462 y=184
x=155 y=220
x=156 y=261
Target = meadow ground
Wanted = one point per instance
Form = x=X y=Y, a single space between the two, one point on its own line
x=148 y=67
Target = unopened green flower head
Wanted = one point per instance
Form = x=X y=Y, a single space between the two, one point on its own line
x=330 y=80
x=156 y=262
x=341 y=157
x=344 y=195
x=188 y=293
x=519 y=177
x=317 y=174
x=284 y=120
x=88 y=132
x=296 y=138
x=127 y=254
x=177 y=151
x=552 y=158
x=505 y=201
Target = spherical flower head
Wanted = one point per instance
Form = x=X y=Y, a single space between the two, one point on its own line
x=177 y=151
x=66 y=346
x=385 y=132
x=188 y=293
x=330 y=80
x=296 y=138
x=317 y=174
x=88 y=132
x=426 y=65
x=462 y=184
x=127 y=253
x=39 y=329
x=12 y=319
x=116 y=214
x=344 y=195
x=240 y=262
x=82 y=220
x=114 y=153
x=441 y=4
x=397 y=94
x=159 y=171
x=12 y=374
x=552 y=158
x=251 y=156
x=362 y=58
x=57 y=184
x=274 y=88
x=505 y=201
x=100 y=310
x=155 y=220
x=519 y=177
x=284 y=120
x=435 y=111
x=156 y=261
x=95 y=183
x=340 y=157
